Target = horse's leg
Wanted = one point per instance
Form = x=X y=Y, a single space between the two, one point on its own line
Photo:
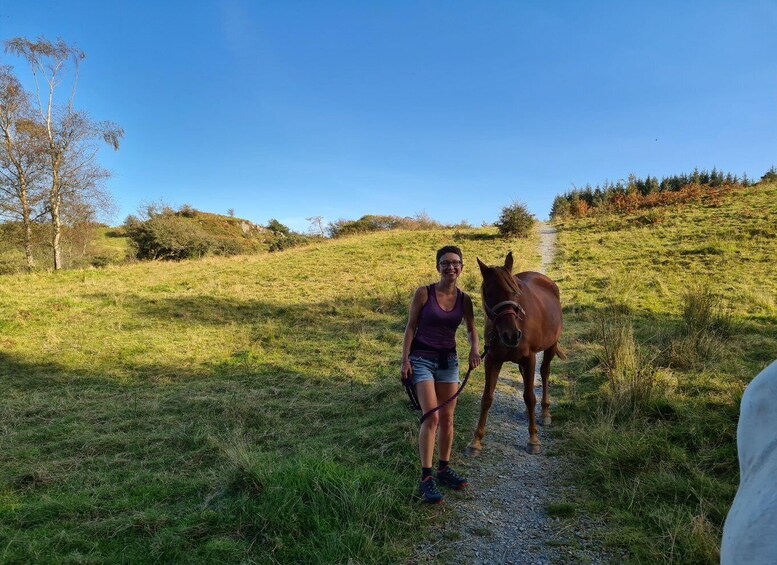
x=492 y=369
x=547 y=357
x=527 y=368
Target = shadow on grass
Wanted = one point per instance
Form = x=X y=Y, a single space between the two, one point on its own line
x=60 y=415
x=317 y=370
x=148 y=470
x=331 y=364
x=476 y=237
x=320 y=338
x=329 y=316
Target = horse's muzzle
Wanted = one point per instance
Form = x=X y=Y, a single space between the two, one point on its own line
x=510 y=338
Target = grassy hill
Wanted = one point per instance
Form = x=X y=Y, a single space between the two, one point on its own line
x=668 y=316
x=224 y=409
x=221 y=410
x=96 y=245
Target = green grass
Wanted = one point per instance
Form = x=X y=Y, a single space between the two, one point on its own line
x=561 y=510
x=666 y=323
x=242 y=409
x=111 y=244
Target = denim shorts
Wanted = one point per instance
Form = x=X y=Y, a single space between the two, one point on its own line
x=428 y=370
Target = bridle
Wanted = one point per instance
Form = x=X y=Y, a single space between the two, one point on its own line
x=504 y=308
x=494 y=314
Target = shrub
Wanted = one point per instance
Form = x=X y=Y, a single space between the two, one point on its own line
x=279 y=241
x=580 y=208
x=227 y=247
x=281 y=237
x=372 y=223
x=167 y=236
x=626 y=197
x=100 y=261
x=421 y=221
x=276 y=227
x=10 y=265
x=187 y=211
x=365 y=224
x=515 y=221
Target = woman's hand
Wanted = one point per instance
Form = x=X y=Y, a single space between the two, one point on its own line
x=407 y=370
x=474 y=359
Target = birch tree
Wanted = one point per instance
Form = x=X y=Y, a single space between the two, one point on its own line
x=70 y=136
x=21 y=159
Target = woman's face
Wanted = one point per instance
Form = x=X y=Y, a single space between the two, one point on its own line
x=449 y=267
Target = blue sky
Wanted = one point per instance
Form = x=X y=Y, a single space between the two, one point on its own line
x=290 y=109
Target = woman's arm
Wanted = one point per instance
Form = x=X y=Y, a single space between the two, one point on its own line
x=416 y=305
x=472 y=332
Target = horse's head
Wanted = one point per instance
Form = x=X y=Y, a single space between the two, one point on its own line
x=500 y=300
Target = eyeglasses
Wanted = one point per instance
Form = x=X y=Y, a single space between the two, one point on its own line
x=454 y=264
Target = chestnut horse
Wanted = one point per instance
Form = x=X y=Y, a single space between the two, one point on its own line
x=524 y=317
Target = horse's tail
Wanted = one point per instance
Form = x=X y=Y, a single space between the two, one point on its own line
x=561 y=355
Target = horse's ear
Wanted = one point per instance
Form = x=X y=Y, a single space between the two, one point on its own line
x=483 y=267
x=509 y=262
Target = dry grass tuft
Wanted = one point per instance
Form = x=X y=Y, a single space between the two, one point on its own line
x=704 y=326
x=631 y=377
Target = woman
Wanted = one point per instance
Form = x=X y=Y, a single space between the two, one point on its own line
x=429 y=359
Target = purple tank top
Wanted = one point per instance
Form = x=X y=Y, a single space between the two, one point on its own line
x=437 y=327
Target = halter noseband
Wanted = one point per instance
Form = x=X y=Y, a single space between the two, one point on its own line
x=494 y=314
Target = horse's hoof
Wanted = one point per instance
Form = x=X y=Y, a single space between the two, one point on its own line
x=533 y=448
x=471 y=452
x=546 y=420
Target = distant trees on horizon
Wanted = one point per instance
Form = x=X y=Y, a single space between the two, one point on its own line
x=635 y=192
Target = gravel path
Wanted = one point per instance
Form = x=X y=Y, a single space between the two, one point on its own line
x=547 y=245
x=502 y=516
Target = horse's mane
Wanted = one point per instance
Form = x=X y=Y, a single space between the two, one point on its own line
x=505 y=279
x=508 y=280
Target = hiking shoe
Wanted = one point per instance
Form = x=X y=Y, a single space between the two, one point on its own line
x=429 y=491
x=450 y=478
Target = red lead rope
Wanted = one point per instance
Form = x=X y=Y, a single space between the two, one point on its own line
x=410 y=388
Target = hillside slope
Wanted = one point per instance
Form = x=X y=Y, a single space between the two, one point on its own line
x=668 y=316
x=96 y=245
x=219 y=410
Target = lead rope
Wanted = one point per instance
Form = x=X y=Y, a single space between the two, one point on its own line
x=414 y=398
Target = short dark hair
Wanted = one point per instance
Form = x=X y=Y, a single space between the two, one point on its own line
x=449 y=249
